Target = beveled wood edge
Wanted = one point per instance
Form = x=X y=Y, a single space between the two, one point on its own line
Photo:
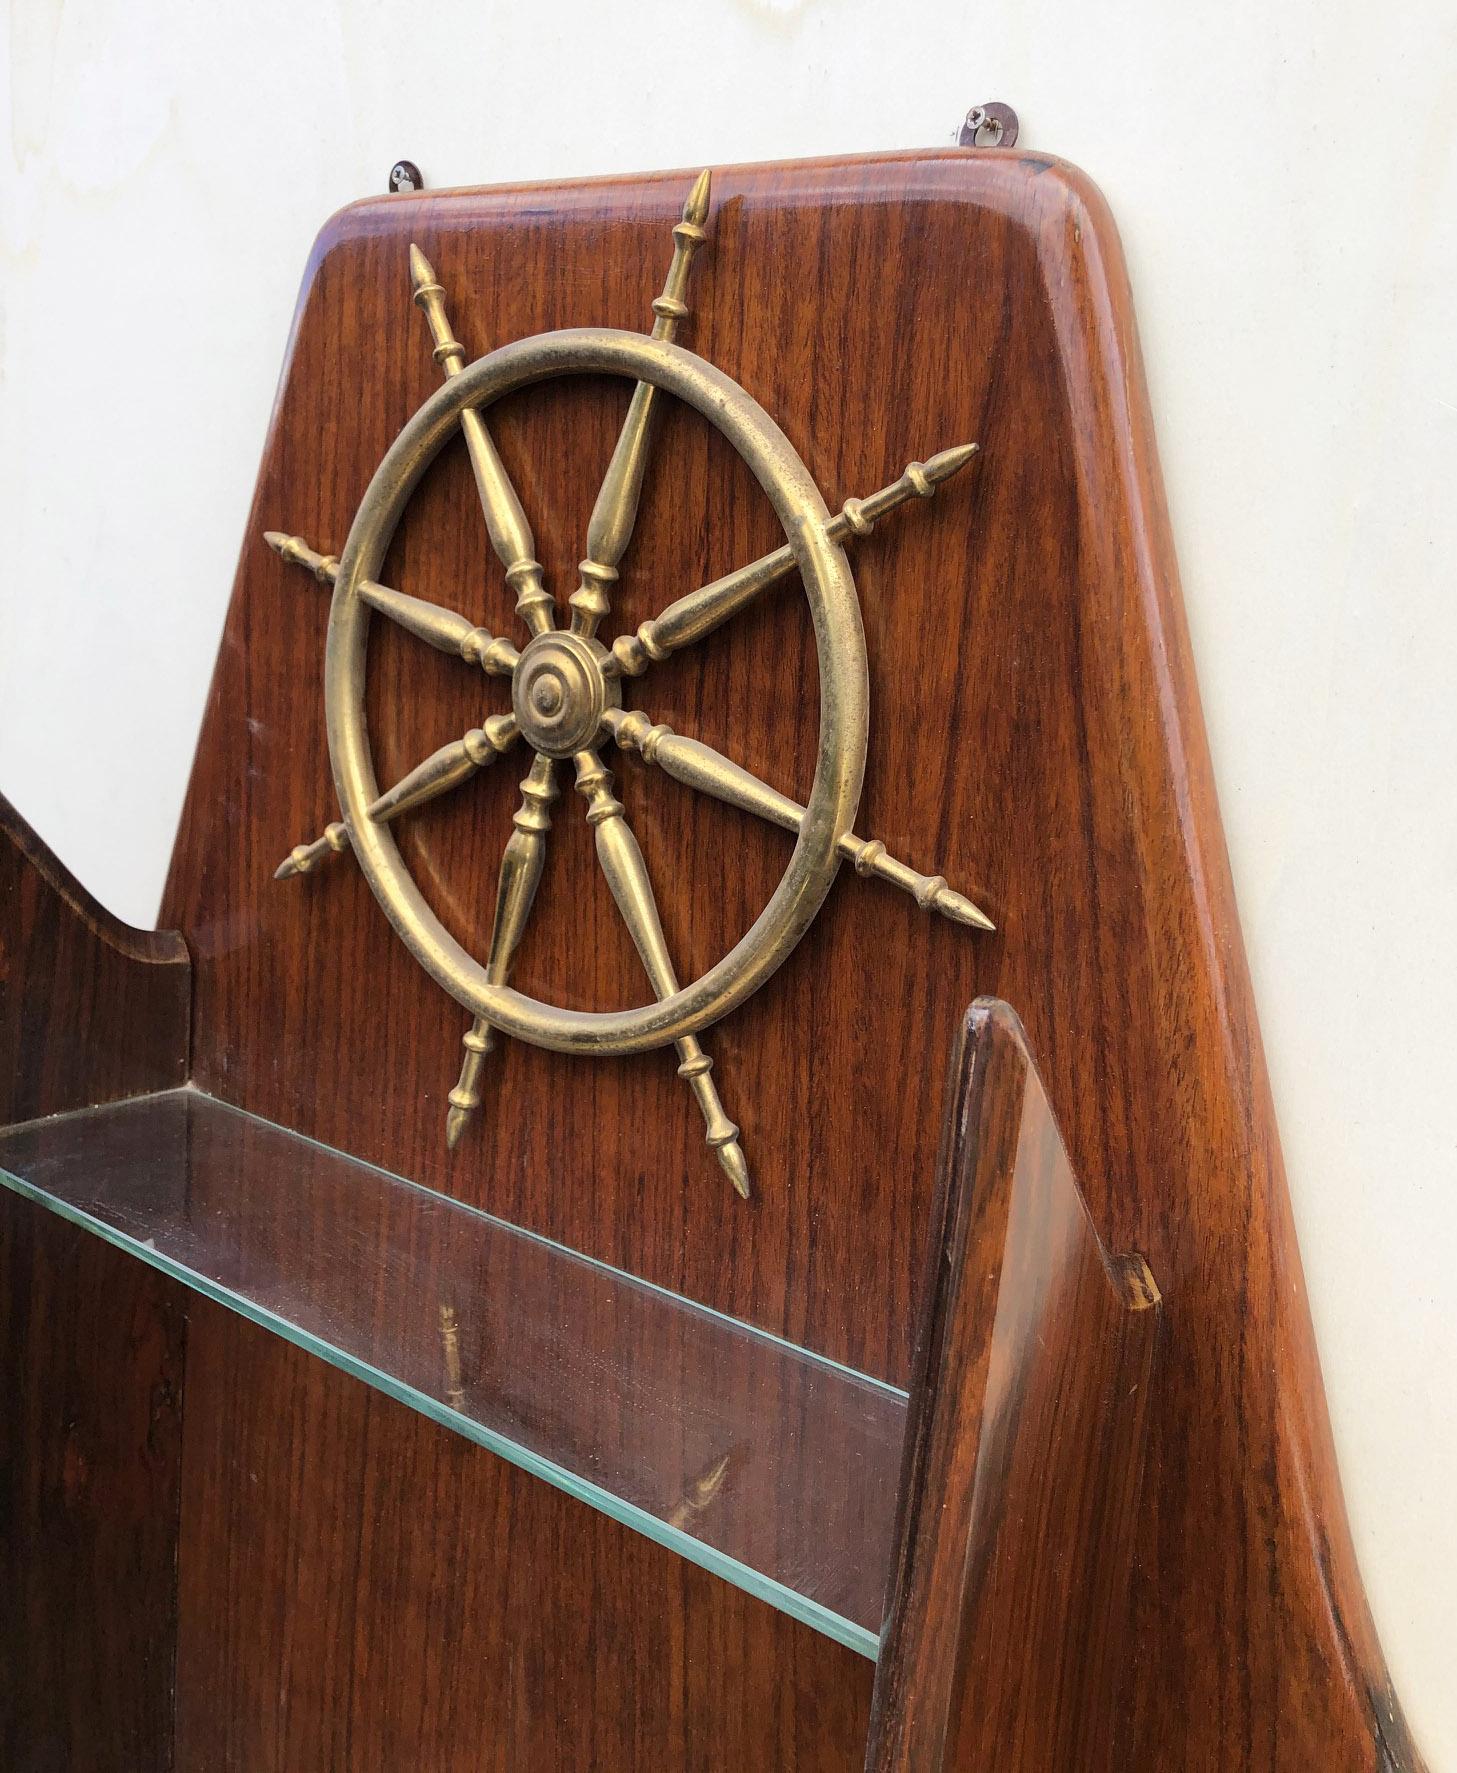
x=364 y=216
x=932 y=1601
x=147 y=947
x=1356 y=1705
x=133 y=984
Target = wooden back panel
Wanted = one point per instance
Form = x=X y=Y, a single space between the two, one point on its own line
x=1035 y=736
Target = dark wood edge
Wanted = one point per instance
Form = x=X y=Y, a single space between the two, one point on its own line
x=92 y=1009
x=152 y=947
x=382 y=213
x=1319 y=1692
x=91 y=1342
x=1005 y=1634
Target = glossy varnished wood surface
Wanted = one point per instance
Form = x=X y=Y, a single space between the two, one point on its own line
x=361 y=1589
x=91 y=1010
x=91 y=1346
x=1008 y=1637
x=1036 y=736
x=91 y=1362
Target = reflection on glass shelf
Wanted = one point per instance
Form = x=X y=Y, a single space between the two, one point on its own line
x=762 y=1462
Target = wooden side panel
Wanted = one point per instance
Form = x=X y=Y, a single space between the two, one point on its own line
x=90 y=1010
x=90 y=1347
x=1009 y=1636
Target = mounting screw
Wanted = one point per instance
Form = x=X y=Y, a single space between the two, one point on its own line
x=992 y=125
x=405 y=175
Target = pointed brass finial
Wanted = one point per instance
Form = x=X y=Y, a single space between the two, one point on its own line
x=506 y=523
x=296 y=551
x=465 y=1098
x=947 y=462
x=688 y=235
x=735 y=1165
x=627 y=876
x=930 y=891
x=441 y=628
x=520 y=876
x=430 y=298
x=858 y=517
x=441 y=771
x=700 y=767
x=303 y=856
x=615 y=513
x=700 y=612
x=696 y=208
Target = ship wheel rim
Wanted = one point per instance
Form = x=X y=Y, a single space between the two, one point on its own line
x=844 y=690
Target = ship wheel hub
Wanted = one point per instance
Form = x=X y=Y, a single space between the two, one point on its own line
x=559 y=693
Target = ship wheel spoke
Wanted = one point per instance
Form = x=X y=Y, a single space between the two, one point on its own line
x=441 y=771
x=699 y=766
x=521 y=867
x=506 y=523
x=441 y=628
x=627 y=875
x=701 y=611
x=615 y=512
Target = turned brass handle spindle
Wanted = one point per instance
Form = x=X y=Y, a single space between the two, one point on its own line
x=521 y=867
x=441 y=771
x=441 y=628
x=506 y=523
x=701 y=611
x=627 y=875
x=699 y=766
x=615 y=512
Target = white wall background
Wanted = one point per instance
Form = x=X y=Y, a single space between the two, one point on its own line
x=1285 y=177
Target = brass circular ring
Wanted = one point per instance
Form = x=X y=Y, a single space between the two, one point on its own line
x=844 y=689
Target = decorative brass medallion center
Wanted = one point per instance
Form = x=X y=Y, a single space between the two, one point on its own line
x=566 y=692
x=560 y=693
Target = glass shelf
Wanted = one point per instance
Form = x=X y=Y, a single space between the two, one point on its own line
x=764 y=1463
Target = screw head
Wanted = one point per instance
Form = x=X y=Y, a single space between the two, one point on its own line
x=992 y=125
x=405 y=176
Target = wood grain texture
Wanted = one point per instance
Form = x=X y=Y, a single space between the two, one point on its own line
x=1009 y=1628
x=1036 y=736
x=91 y=1010
x=361 y=1589
x=91 y=1346
x=91 y=1360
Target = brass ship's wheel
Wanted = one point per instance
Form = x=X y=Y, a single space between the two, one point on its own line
x=566 y=691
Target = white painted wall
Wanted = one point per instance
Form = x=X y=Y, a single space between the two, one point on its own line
x=1286 y=181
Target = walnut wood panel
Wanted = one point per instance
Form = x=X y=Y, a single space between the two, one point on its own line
x=91 y=1010
x=1009 y=1630
x=1036 y=736
x=91 y=1346
x=361 y=1589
